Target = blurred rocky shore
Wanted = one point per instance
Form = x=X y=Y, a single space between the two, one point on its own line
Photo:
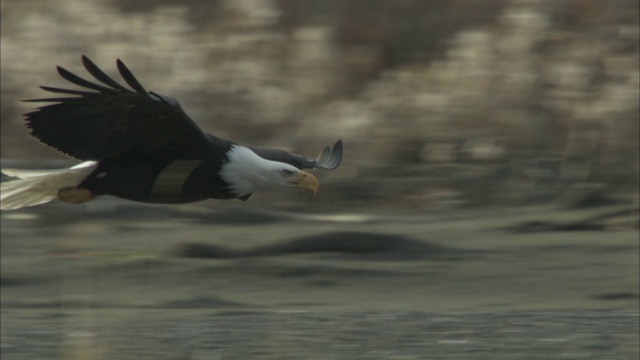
x=441 y=104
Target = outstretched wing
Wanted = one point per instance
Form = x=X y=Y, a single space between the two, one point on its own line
x=108 y=119
x=328 y=159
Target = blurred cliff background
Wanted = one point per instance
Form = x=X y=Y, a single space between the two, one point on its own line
x=441 y=104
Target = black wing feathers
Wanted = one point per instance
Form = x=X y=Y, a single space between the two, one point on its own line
x=64 y=91
x=70 y=77
x=129 y=78
x=107 y=119
x=100 y=75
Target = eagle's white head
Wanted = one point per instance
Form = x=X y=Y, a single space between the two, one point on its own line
x=246 y=173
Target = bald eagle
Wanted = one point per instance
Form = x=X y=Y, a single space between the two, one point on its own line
x=141 y=146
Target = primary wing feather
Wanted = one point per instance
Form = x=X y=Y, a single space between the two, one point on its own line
x=106 y=121
x=100 y=75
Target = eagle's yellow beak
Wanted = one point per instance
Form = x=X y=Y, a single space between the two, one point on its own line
x=306 y=181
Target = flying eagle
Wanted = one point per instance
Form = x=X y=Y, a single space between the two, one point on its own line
x=139 y=145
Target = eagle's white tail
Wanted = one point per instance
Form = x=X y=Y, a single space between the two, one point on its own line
x=40 y=186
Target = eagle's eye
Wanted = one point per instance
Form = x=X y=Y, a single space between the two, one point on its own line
x=286 y=172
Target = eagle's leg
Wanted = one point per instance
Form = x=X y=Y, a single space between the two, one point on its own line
x=75 y=195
